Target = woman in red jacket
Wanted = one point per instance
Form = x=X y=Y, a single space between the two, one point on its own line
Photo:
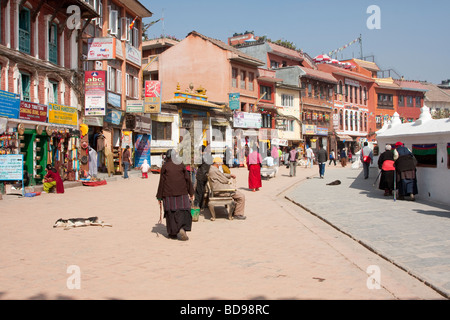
x=53 y=179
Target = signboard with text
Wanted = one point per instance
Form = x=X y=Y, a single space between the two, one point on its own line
x=101 y=48
x=152 y=102
x=10 y=104
x=11 y=167
x=59 y=114
x=95 y=93
x=33 y=111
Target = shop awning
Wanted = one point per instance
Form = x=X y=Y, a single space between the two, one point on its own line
x=345 y=137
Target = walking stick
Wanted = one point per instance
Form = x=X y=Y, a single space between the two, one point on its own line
x=160 y=212
x=395 y=186
x=377 y=178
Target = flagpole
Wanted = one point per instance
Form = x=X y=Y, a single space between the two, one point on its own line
x=361 y=46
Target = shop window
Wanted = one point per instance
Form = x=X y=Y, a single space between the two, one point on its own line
x=24 y=30
x=161 y=130
x=425 y=154
x=53 y=43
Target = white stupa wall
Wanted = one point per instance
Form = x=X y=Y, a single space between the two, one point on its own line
x=433 y=183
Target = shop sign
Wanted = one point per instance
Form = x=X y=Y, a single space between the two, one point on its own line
x=59 y=114
x=132 y=54
x=115 y=100
x=247 y=120
x=352 y=82
x=33 y=111
x=152 y=103
x=11 y=167
x=127 y=139
x=309 y=129
x=280 y=142
x=113 y=116
x=101 y=48
x=95 y=93
x=135 y=106
x=93 y=121
x=234 y=101
x=143 y=124
x=322 y=131
x=10 y=104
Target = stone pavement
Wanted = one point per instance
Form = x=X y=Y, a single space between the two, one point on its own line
x=279 y=252
x=412 y=235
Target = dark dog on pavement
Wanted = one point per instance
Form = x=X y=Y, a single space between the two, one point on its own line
x=79 y=222
x=334 y=183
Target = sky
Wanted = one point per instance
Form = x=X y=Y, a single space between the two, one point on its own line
x=410 y=37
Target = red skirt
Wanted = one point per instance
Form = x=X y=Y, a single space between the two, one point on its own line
x=254 y=176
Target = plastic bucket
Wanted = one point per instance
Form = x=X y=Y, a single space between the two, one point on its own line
x=195 y=212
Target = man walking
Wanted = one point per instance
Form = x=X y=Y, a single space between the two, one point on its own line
x=309 y=157
x=366 y=158
x=322 y=158
x=293 y=162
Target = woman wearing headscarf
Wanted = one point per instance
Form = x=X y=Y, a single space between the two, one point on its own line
x=405 y=165
x=387 y=167
x=175 y=191
x=254 y=162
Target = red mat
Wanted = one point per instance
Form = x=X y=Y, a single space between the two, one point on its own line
x=94 y=183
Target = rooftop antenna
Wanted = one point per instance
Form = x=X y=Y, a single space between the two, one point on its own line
x=163 y=24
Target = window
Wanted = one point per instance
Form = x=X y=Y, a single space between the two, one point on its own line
x=24 y=87
x=418 y=102
x=289 y=125
x=161 y=130
x=53 y=43
x=251 y=79
x=99 y=20
x=267 y=91
x=273 y=64
x=119 y=81
x=113 y=22
x=266 y=121
x=401 y=101
x=243 y=80
x=340 y=87
x=234 y=73
x=135 y=88
x=24 y=30
x=52 y=92
x=425 y=154
x=309 y=90
x=409 y=101
x=287 y=100
x=111 y=78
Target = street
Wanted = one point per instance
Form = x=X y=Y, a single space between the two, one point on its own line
x=280 y=251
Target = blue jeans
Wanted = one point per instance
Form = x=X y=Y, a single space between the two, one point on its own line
x=125 y=169
x=322 y=168
x=309 y=163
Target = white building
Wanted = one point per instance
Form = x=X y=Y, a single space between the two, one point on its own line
x=429 y=140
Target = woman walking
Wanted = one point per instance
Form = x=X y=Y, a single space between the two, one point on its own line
x=175 y=191
x=387 y=167
x=254 y=162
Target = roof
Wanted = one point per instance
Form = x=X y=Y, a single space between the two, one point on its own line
x=138 y=8
x=435 y=93
x=285 y=52
x=345 y=73
x=410 y=85
x=371 y=66
x=239 y=55
x=319 y=75
x=386 y=83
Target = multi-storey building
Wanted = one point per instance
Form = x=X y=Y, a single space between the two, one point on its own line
x=41 y=83
x=438 y=100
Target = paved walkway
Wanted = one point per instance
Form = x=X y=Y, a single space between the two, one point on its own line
x=413 y=235
x=280 y=252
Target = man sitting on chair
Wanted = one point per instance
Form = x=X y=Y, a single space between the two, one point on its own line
x=221 y=180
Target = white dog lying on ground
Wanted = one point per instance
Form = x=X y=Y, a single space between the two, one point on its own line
x=79 y=222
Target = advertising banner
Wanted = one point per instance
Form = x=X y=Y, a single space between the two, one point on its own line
x=152 y=102
x=11 y=167
x=9 y=104
x=135 y=106
x=101 y=48
x=59 y=114
x=95 y=93
x=33 y=111
x=247 y=120
x=142 y=150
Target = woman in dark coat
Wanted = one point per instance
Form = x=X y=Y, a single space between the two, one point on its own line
x=405 y=166
x=175 y=191
x=386 y=165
